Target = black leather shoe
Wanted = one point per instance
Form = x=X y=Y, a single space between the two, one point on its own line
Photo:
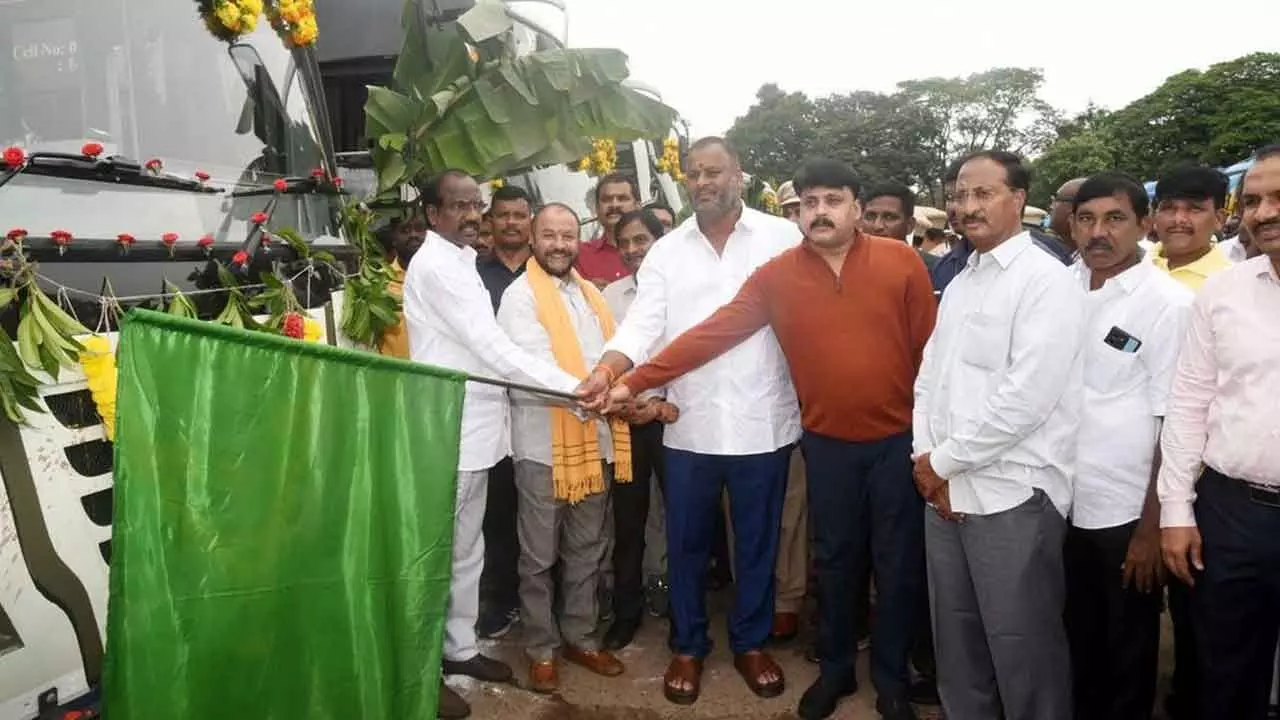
x=898 y=708
x=924 y=691
x=480 y=668
x=822 y=697
x=620 y=634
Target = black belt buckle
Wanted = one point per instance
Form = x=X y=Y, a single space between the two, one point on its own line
x=1264 y=495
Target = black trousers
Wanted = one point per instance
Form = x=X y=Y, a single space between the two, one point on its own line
x=1184 y=693
x=500 y=580
x=630 y=512
x=866 y=512
x=1235 y=605
x=1114 y=633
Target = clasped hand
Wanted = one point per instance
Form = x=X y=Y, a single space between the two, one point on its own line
x=597 y=395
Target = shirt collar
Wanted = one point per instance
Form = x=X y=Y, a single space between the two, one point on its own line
x=1204 y=266
x=1005 y=252
x=1128 y=281
x=465 y=252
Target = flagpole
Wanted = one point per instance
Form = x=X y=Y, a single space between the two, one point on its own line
x=524 y=388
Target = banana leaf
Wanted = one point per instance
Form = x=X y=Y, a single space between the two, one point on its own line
x=456 y=103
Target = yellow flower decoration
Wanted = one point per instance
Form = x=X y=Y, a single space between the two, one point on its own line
x=496 y=183
x=294 y=21
x=669 y=161
x=312 y=330
x=602 y=159
x=99 y=365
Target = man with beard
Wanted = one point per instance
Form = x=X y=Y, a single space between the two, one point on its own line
x=451 y=324
x=1135 y=316
x=400 y=239
x=564 y=465
x=599 y=260
x=996 y=416
x=736 y=428
x=1220 y=482
x=852 y=355
x=510 y=212
x=1190 y=210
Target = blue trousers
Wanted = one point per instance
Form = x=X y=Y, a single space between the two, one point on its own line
x=695 y=484
x=866 y=513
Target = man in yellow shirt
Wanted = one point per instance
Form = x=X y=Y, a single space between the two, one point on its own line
x=1190 y=209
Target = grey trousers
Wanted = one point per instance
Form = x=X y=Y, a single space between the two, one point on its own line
x=996 y=589
x=552 y=531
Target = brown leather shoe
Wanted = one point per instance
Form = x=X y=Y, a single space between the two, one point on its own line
x=543 y=676
x=785 y=627
x=600 y=662
x=451 y=706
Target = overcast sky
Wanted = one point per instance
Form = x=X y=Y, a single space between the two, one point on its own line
x=708 y=57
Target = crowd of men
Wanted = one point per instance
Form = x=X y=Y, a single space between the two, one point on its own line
x=1018 y=437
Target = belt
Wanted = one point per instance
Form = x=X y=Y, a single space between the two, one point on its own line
x=1258 y=492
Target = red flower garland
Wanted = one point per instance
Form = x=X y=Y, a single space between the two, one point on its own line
x=205 y=243
x=240 y=258
x=126 y=241
x=62 y=239
x=154 y=165
x=17 y=234
x=280 y=185
x=91 y=150
x=202 y=176
x=260 y=218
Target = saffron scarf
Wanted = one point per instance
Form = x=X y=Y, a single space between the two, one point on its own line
x=576 y=470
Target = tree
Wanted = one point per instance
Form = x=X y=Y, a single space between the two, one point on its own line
x=999 y=109
x=884 y=136
x=1215 y=117
x=776 y=134
x=1078 y=155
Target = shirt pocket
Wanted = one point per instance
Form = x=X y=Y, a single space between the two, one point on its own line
x=1110 y=371
x=985 y=340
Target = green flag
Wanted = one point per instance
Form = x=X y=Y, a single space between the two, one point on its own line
x=283 y=528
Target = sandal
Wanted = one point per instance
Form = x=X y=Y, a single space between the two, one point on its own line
x=752 y=665
x=683 y=669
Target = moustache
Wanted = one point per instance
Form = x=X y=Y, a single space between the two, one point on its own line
x=470 y=226
x=822 y=222
x=972 y=218
x=1098 y=244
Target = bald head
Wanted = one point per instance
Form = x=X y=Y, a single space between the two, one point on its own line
x=1063 y=200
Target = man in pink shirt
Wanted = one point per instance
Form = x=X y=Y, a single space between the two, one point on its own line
x=599 y=260
x=1219 y=484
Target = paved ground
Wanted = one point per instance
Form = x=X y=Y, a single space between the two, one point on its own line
x=637 y=695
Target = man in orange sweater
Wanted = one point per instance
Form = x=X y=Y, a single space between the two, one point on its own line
x=852 y=313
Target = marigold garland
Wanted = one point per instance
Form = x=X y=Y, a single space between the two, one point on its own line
x=669 y=161
x=602 y=160
x=99 y=365
x=293 y=20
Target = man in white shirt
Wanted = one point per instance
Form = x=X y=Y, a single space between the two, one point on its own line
x=738 y=416
x=995 y=422
x=639 y=542
x=560 y=533
x=1136 y=316
x=450 y=321
x=1220 y=481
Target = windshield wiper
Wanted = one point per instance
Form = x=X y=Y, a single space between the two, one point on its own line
x=320 y=184
x=115 y=170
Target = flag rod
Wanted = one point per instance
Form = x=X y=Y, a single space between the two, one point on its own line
x=522 y=387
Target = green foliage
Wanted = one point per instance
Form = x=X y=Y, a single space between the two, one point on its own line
x=1216 y=117
x=459 y=100
x=907 y=136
